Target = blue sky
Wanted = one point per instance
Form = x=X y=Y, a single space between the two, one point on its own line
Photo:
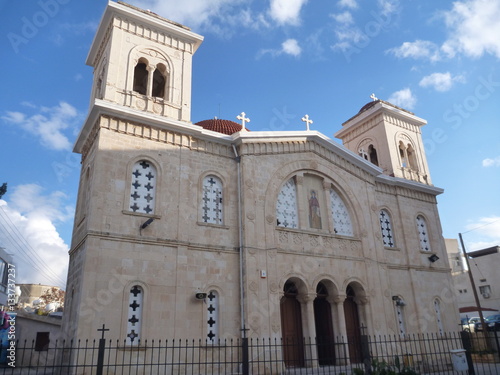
x=276 y=60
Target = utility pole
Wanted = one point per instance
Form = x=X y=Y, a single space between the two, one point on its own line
x=473 y=284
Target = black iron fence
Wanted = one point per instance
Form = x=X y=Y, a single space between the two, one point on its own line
x=451 y=353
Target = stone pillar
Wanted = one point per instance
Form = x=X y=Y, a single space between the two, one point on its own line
x=342 y=348
x=309 y=328
x=149 y=90
x=362 y=302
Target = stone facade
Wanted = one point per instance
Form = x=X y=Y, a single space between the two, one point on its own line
x=296 y=239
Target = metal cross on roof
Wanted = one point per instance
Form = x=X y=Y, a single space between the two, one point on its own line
x=374 y=98
x=243 y=119
x=307 y=120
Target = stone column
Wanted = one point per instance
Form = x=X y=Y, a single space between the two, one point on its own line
x=151 y=69
x=362 y=302
x=309 y=327
x=342 y=348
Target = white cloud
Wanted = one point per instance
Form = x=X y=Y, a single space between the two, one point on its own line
x=351 y=4
x=388 y=7
x=289 y=47
x=483 y=233
x=420 y=49
x=48 y=125
x=28 y=232
x=351 y=37
x=491 y=162
x=344 y=18
x=473 y=28
x=192 y=13
x=286 y=12
x=403 y=98
x=440 y=81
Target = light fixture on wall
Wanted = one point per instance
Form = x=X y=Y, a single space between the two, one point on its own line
x=433 y=258
x=398 y=300
x=147 y=222
x=200 y=295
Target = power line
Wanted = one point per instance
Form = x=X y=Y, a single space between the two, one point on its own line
x=491 y=222
x=30 y=256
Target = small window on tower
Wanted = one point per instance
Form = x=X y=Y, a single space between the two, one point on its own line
x=373 y=154
x=159 y=81
x=143 y=187
x=141 y=78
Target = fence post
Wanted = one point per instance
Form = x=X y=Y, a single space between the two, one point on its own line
x=467 y=343
x=100 y=353
x=245 y=366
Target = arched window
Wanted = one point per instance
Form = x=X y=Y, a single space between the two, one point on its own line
x=342 y=224
x=212 y=205
x=141 y=78
x=437 y=309
x=402 y=154
x=212 y=317
x=386 y=229
x=286 y=206
x=143 y=187
x=412 y=159
x=372 y=152
x=159 y=80
x=362 y=152
x=423 y=234
x=400 y=316
x=134 y=316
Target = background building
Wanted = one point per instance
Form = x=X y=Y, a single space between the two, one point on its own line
x=211 y=231
x=484 y=265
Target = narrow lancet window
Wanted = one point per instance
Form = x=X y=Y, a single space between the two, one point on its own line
x=143 y=187
x=141 y=78
x=212 y=208
x=159 y=81
x=134 y=316
x=386 y=229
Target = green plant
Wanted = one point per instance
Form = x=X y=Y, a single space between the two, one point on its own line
x=383 y=368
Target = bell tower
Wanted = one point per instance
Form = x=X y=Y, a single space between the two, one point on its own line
x=389 y=137
x=143 y=61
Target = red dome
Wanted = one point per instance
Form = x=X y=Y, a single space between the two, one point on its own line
x=220 y=126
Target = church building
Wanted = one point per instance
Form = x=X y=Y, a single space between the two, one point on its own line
x=209 y=230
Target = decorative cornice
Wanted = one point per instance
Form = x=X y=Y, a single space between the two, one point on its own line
x=392 y=114
x=406 y=185
x=155 y=35
x=146 y=24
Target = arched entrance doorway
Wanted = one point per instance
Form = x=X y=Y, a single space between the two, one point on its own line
x=325 y=342
x=291 y=326
x=353 y=328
